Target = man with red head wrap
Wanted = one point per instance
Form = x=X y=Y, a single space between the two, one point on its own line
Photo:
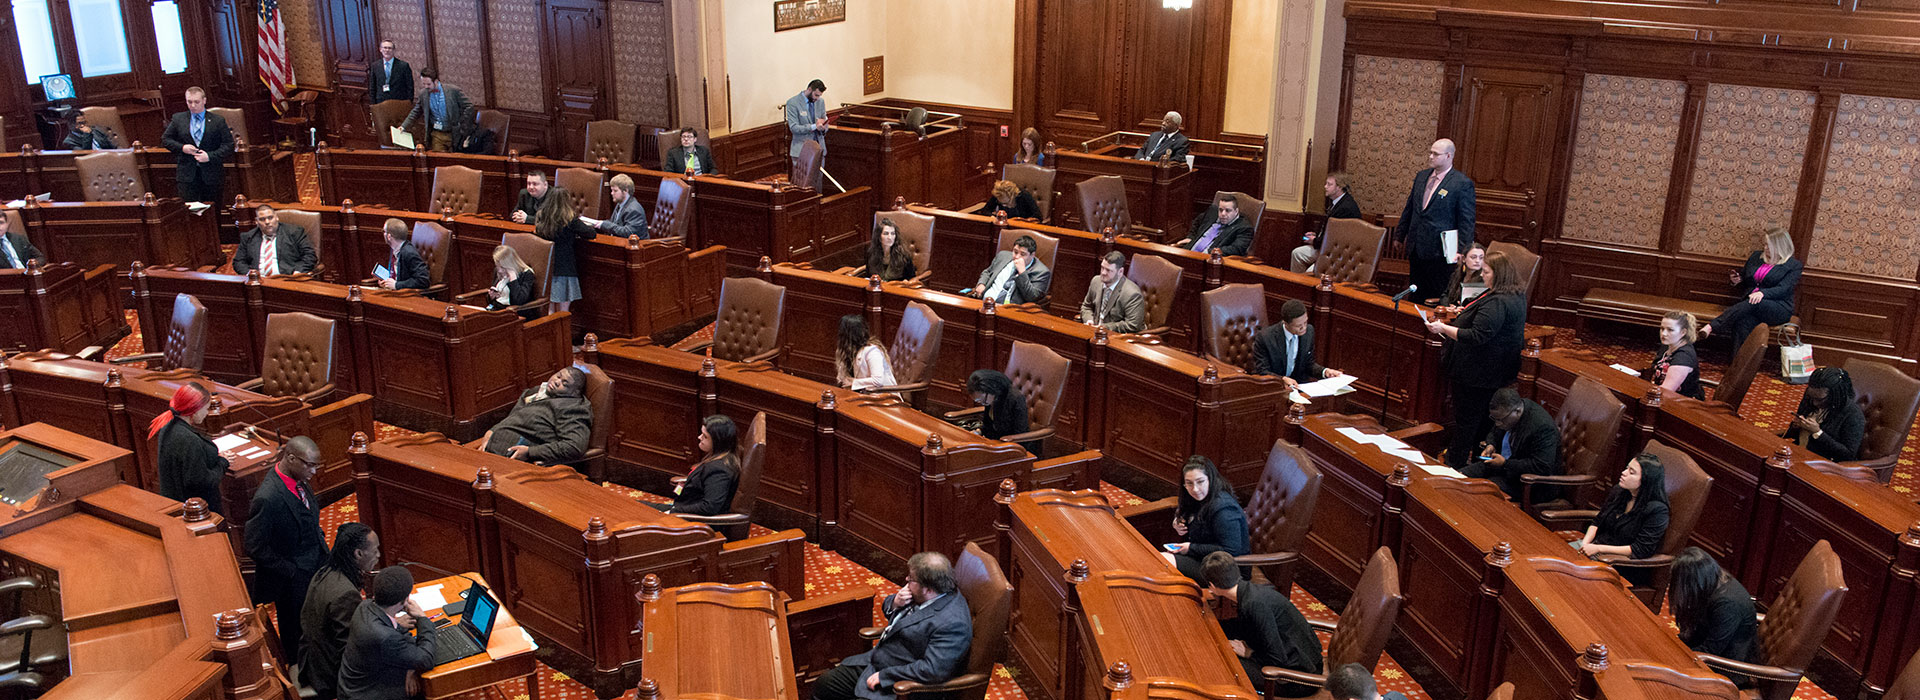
x=189 y=464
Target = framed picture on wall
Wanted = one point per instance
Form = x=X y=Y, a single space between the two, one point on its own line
x=794 y=14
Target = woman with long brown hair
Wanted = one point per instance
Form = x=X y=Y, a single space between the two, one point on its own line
x=887 y=254
x=858 y=358
x=558 y=222
x=1031 y=149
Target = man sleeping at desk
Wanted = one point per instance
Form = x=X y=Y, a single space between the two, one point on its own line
x=550 y=424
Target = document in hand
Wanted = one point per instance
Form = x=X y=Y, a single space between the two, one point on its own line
x=1449 y=244
x=400 y=138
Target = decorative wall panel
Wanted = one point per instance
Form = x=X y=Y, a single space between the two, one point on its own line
x=643 y=62
x=1394 y=114
x=1622 y=155
x=1868 y=222
x=1747 y=171
x=456 y=43
x=404 y=22
x=305 y=52
x=514 y=27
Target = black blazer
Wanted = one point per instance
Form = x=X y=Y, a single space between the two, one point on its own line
x=530 y=204
x=293 y=248
x=78 y=140
x=519 y=291
x=1446 y=212
x=377 y=89
x=1642 y=528
x=284 y=538
x=1174 y=146
x=927 y=646
x=1781 y=282
x=1013 y=422
x=709 y=489
x=565 y=264
x=1346 y=208
x=1234 y=238
x=1273 y=629
x=677 y=159
x=379 y=655
x=1270 y=354
x=216 y=139
x=23 y=248
x=1486 y=354
x=877 y=265
x=409 y=270
x=1726 y=627
x=326 y=619
x=1220 y=526
x=190 y=465
x=1841 y=433
x=1023 y=207
x=1536 y=450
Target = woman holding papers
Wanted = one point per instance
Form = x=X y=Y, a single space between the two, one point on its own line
x=1208 y=517
x=1483 y=352
x=1677 y=367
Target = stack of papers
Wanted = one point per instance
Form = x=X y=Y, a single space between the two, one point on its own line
x=240 y=446
x=1334 y=386
x=430 y=597
x=400 y=138
x=1394 y=447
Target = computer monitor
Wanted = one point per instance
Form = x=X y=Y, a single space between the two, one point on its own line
x=481 y=611
x=58 y=86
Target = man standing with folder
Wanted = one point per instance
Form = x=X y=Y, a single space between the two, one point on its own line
x=1437 y=223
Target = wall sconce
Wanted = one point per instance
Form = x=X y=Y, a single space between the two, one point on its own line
x=1177 y=4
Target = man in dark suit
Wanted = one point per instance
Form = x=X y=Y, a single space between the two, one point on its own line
x=389 y=78
x=550 y=424
x=1114 y=302
x=83 y=137
x=628 y=217
x=929 y=632
x=284 y=537
x=1285 y=349
x=273 y=247
x=1340 y=205
x=1220 y=226
x=531 y=197
x=1015 y=276
x=690 y=158
x=405 y=268
x=1441 y=204
x=445 y=109
x=1168 y=141
x=201 y=144
x=15 y=249
x=1524 y=440
x=1268 y=631
x=380 y=652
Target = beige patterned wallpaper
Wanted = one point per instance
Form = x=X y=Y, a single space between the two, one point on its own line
x=515 y=34
x=1622 y=158
x=1869 y=208
x=456 y=46
x=642 y=60
x=1746 y=170
x=403 y=22
x=1392 y=117
x=305 y=51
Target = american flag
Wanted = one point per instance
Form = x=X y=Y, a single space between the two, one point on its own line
x=274 y=70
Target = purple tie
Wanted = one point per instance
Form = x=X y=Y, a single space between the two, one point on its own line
x=1207 y=240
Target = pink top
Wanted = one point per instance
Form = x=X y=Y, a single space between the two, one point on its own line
x=1761 y=274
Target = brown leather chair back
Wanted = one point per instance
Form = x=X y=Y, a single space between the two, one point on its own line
x=1504 y=692
x=308 y=221
x=1103 y=203
x=916 y=232
x=1352 y=251
x=1159 y=282
x=806 y=166
x=990 y=600
x=1907 y=685
x=749 y=321
x=1588 y=421
x=583 y=187
x=1687 y=488
x=1525 y=262
x=111 y=176
x=1249 y=206
x=1364 y=626
x=599 y=393
x=1889 y=398
x=496 y=121
x=1800 y=617
x=434 y=243
x=1283 y=501
x=609 y=139
x=455 y=187
x=389 y=114
x=665 y=140
x=186 y=345
x=753 y=460
x=1746 y=363
x=535 y=251
x=236 y=122
x=1037 y=181
x=916 y=344
x=1230 y=316
x=672 y=209
x=1045 y=247
x=1040 y=374
x=107 y=119
x=299 y=354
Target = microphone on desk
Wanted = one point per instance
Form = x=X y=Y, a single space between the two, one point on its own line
x=452 y=607
x=1411 y=288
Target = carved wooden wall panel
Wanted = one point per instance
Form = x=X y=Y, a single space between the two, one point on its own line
x=1076 y=88
x=1622 y=156
x=513 y=27
x=1098 y=66
x=644 y=61
x=1747 y=171
x=1869 y=217
x=456 y=43
x=349 y=47
x=1507 y=144
x=578 y=67
x=405 y=23
x=1393 y=115
x=305 y=52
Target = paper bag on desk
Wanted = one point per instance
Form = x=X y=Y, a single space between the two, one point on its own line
x=400 y=138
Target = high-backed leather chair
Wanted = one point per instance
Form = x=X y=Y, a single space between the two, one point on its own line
x=665 y=140
x=107 y=119
x=389 y=114
x=1687 y=487
x=1589 y=420
x=609 y=139
x=1045 y=247
x=747 y=328
x=308 y=221
x=1352 y=251
x=583 y=186
x=1907 y=685
x=746 y=489
x=1103 y=204
x=1525 y=262
x=435 y=244
x=916 y=233
x=110 y=176
x=455 y=187
x=537 y=253
x=185 y=346
x=990 y=600
x=1889 y=398
x=236 y=122
x=672 y=209
x=1230 y=316
x=298 y=358
x=599 y=392
x=913 y=354
x=1796 y=623
x=1037 y=181
x=1040 y=375
x=1249 y=206
x=806 y=166
x=1159 y=282
x=1279 y=513
x=1361 y=635
x=1733 y=385
x=502 y=127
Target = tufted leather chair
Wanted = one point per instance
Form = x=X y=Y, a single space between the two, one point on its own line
x=746 y=490
x=502 y=127
x=1907 y=685
x=236 y=122
x=1733 y=385
x=1687 y=487
x=1159 y=282
x=672 y=209
x=533 y=250
x=806 y=166
x=1040 y=374
x=455 y=187
x=1525 y=262
x=1890 y=399
x=389 y=114
x=609 y=139
x=309 y=222
x=1248 y=205
x=1352 y=251
x=108 y=119
x=665 y=140
x=435 y=244
x=1103 y=203
x=1504 y=692
x=748 y=326
x=1038 y=183
x=1231 y=315
x=916 y=232
x=599 y=391
x=1279 y=513
x=110 y=176
x=1361 y=635
x=584 y=187
x=990 y=601
x=1588 y=421
x=298 y=358
x=1045 y=247
x=185 y=346
x=913 y=354
x=1796 y=622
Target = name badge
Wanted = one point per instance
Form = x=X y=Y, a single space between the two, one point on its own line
x=439 y=126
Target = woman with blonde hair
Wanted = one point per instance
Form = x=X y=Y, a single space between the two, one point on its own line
x=1677 y=367
x=1767 y=284
x=1014 y=201
x=513 y=282
x=558 y=222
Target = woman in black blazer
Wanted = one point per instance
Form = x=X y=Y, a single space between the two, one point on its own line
x=1008 y=197
x=1714 y=612
x=1006 y=407
x=1633 y=520
x=558 y=222
x=1766 y=285
x=513 y=282
x=1829 y=421
x=1208 y=516
x=709 y=487
x=1483 y=352
x=188 y=463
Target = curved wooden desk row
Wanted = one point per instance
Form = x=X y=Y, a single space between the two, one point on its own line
x=255 y=169
x=1769 y=503
x=565 y=555
x=157 y=230
x=61 y=306
x=429 y=365
x=634 y=288
x=775 y=648
x=751 y=219
x=1200 y=406
x=149 y=593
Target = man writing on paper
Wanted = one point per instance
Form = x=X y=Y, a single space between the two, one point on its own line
x=1285 y=350
x=1437 y=222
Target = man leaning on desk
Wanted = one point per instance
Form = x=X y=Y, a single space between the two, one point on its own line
x=380 y=653
x=1285 y=349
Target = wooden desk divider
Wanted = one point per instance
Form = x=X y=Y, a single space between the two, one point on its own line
x=63 y=307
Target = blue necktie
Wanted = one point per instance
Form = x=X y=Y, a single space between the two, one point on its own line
x=199 y=127
x=1293 y=345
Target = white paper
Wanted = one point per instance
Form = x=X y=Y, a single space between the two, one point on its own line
x=252 y=452
x=1423 y=314
x=1330 y=386
x=226 y=443
x=1449 y=244
x=1443 y=471
x=1468 y=293
x=430 y=597
x=1624 y=368
x=400 y=138
x=198 y=208
x=1355 y=435
x=382 y=272
x=590 y=221
x=1298 y=397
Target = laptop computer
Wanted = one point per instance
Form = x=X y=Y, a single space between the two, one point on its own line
x=468 y=637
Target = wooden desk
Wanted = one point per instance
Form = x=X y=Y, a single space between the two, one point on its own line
x=155 y=231
x=1159 y=194
x=1128 y=620
x=510 y=651
x=254 y=171
x=873 y=151
x=63 y=307
x=746 y=640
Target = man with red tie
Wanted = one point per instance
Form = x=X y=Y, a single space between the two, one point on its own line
x=405 y=268
x=284 y=537
x=273 y=247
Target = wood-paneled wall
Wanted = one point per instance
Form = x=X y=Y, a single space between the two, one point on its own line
x=1083 y=68
x=1649 y=152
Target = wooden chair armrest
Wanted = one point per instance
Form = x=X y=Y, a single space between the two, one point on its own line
x=1771 y=673
x=721 y=519
x=1156 y=330
x=915 y=386
x=252 y=384
x=1274 y=675
x=1410 y=432
x=1557 y=479
x=977 y=206
x=1657 y=561
x=767 y=356
x=318 y=396
x=923 y=276
x=1165 y=504
x=871 y=632
x=1875 y=464
x=479 y=443
x=903 y=689
x=694 y=347
x=1569 y=514
x=1266 y=559
x=1323 y=626
x=142 y=357
x=535 y=305
x=965 y=413
x=860 y=271
x=475 y=294
x=1029 y=436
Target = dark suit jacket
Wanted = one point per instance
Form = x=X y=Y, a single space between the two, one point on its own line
x=409 y=270
x=23 y=248
x=1536 y=450
x=1027 y=288
x=929 y=646
x=1234 y=239
x=1126 y=311
x=190 y=465
x=216 y=139
x=677 y=159
x=1781 y=282
x=379 y=655
x=284 y=538
x=78 y=140
x=1346 y=208
x=292 y=247
x=459 y=112
x=1174 y=146
x=1273 y=629
x=709 y=489
x=1727 y=627
x=1220 y=526
x=1024 y=207
x=1270 y=354
x=530 y=204
x=1841 y=433
x=519 y=291
x=377 y=80
x=1486 y=354
x=1446 y=212
x=325 y=622
x=556 y=428
x=628 y=218
x=566 y=262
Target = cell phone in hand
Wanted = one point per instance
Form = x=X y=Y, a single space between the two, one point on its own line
x=1171 y=547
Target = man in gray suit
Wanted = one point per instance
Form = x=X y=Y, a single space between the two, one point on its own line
x=1114 y=302
x=929 y=632
x=379 y=651
x=446 y=110
x=1015 y=276
x=628 y=217
x=807 y=120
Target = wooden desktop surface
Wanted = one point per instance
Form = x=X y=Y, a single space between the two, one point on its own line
x=510 y=652
x=718 y=640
